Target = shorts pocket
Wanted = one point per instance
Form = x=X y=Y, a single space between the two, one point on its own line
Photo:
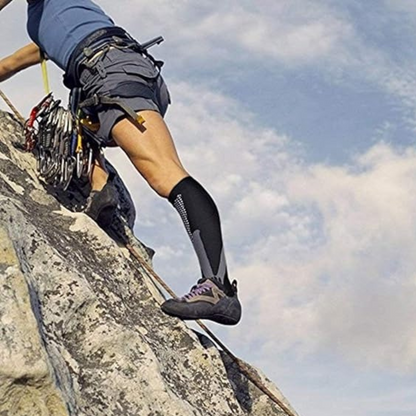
x=143 y=68
x=88 y=78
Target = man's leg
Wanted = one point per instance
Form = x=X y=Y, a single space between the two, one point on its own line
x=103 y=200
x=153 y=153
x=99 y=175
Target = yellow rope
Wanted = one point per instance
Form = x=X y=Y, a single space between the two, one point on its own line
x=45 y=74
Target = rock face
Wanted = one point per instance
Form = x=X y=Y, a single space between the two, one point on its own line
x=81 y=331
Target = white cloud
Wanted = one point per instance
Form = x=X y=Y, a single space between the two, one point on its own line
x=408 y=9
x=367 y=256
x=349 y=288
x=324 y=254
x=296 y=31
x=208 y=37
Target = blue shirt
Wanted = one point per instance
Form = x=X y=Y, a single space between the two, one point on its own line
x=58 y=26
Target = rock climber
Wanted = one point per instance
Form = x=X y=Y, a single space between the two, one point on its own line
x=81 y=39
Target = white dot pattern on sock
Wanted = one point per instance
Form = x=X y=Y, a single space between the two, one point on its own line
x=180 y=207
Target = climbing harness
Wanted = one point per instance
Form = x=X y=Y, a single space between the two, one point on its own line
x=95 y=46
x=98 y=44
x=65 y=139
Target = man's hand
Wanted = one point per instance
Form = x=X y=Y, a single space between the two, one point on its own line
x=4 y=3
x=21 y=59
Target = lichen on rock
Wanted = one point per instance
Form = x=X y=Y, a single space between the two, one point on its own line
x=81 y=331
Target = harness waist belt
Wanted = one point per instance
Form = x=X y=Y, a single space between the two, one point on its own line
x=96 y=39
x=103 y=38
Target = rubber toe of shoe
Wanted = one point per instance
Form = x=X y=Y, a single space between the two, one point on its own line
x=227 y=311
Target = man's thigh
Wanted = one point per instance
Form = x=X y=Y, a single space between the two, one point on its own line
x=152 y=141
x=151 y=150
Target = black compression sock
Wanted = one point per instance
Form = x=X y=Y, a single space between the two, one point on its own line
x=202 y=221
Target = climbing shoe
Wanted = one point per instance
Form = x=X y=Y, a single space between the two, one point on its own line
x=102 y=205
x=208 y=299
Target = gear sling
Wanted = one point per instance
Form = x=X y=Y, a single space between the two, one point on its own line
x=65 y=140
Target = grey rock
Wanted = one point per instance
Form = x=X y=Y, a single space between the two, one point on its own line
x=81 y=331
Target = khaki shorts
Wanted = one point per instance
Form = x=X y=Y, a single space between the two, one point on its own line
x=124 y=69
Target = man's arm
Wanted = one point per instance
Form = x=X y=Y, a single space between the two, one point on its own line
x=4 y=3
x=21 y=59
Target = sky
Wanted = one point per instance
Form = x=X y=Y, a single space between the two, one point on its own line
x=299 y=117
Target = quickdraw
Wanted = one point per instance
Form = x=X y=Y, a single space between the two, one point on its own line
x=55 y=135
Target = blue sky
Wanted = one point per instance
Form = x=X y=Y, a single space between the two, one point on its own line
x=299 y=116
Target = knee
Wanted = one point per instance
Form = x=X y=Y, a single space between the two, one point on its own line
x=163 y=179
x=161 y=187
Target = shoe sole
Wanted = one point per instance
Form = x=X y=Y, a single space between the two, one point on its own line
x=216 y=317
x=220 y=319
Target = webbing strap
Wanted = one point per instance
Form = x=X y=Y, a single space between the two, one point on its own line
x=96 y=100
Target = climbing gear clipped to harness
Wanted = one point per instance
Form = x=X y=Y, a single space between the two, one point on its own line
x=52 y=133
x=87 y=54
x=55 y=136
x=65 y=139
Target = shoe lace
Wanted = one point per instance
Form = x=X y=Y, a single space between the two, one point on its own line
x=197 y=290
